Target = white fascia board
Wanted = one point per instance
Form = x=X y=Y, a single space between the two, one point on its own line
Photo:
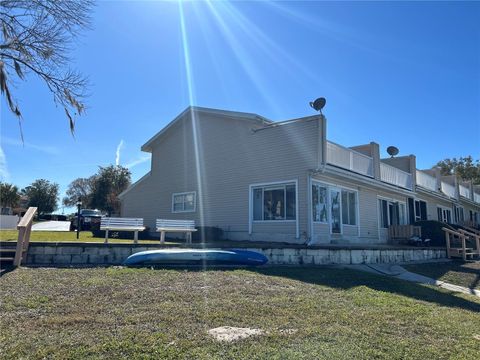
x=147 y=147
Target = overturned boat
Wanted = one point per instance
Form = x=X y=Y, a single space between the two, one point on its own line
x=232 y=257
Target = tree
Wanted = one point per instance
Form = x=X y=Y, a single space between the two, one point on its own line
x=42 y=194
x=82 y=189
x=36 y=36
x=109 y=183
x=464 y=168
x=9 y=195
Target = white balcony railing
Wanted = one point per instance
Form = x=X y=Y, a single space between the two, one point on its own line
x=464 y=191
x=448 y=189
x=476 y=197
x=349 y=159
x=395 y=176
x=426 y=181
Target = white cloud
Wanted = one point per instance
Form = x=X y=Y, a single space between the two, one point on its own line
x=4 y=174
x=138 y=161
x=117 y=154
x=16 y=142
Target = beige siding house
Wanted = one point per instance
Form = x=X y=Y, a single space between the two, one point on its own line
x=284 y=182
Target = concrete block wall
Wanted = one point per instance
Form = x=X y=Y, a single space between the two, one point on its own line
x=114 y=254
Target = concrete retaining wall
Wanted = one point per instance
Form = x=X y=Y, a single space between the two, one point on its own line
x=115 y=254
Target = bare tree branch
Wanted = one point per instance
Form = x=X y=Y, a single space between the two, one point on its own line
x=36 y=37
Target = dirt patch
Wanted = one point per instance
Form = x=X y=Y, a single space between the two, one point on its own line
x=230 y=333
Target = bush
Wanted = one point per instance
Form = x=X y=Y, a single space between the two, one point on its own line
x=207 y=234
x=142 y=235
x=432 y=229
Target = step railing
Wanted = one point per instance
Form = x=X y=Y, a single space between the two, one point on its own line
x=24 y=229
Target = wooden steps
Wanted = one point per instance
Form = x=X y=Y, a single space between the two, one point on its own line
x=7 y=255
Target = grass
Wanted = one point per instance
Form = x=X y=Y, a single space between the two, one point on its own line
x=456 y=272
x=67 y=236
x=165 y=314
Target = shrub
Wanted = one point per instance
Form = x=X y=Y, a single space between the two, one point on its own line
x=432 y=229
x=207 y=234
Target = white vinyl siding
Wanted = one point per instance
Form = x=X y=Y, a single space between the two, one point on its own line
x=184 y=202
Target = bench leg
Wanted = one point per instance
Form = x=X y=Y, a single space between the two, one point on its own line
x=189 y=237
x=135 y=237
x=106 y=236
x=162 y=237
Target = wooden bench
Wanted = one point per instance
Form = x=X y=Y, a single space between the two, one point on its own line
x=122 y=224
x=185 y=226
x=455 y=236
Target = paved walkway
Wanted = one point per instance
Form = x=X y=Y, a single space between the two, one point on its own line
x=399 y=272
x=52 y=226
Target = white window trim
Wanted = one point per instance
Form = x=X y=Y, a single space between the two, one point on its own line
x=393 y=200
x=328 y=202
x=455 y=215
x=250 y=206
x=446 y=208
x=356 y=207
x=329 y=186
x=184 y=193
x=329 y=197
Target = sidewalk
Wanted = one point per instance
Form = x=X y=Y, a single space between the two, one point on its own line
x=399 y=272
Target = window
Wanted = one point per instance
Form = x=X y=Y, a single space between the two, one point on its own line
x=319 y=203
x=183 y=202
x=459 y=214
x=417 y=210
x=276 y=202
x=391 y=213
x=349 y=207
x=444 y=214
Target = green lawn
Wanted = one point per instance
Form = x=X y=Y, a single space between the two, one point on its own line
x=456 y=272
x=307 y=313
x=66 y=236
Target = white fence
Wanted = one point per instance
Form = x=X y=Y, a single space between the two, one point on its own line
x=349 y=159
x=392 y=175
x=448 y=189
x=8 y=222
x=476 y=197
x=464 y=191
x=426 y=181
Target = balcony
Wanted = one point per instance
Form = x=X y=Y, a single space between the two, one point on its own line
x=395 y=176
x=448 y=189
x=464 y=191
x=426 y=181
x=476 y=197
x=349 y=159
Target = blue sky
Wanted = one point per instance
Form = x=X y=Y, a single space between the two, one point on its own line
x=398 y=73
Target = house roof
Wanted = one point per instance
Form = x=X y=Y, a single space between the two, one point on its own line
x=147 y=147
